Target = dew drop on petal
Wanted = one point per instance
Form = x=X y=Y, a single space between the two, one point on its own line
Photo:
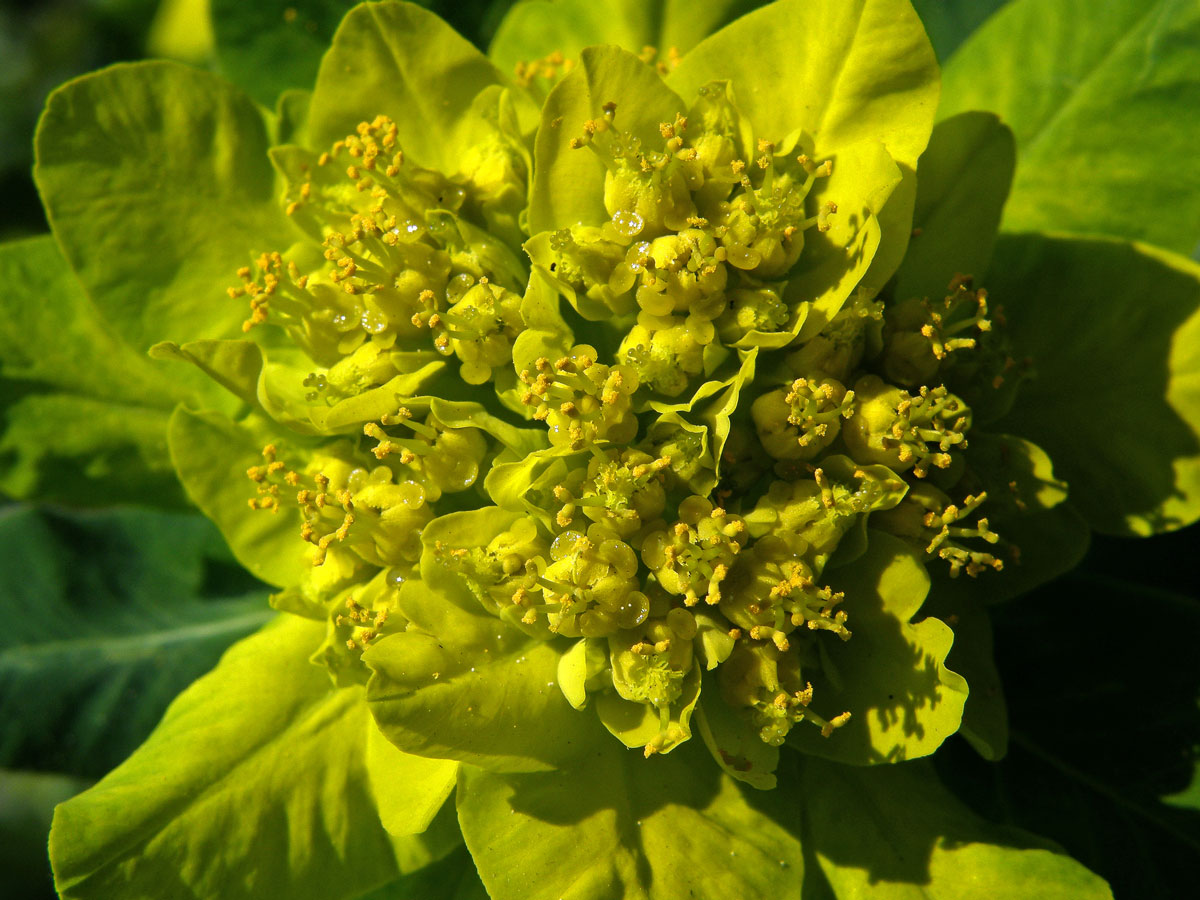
x=627 y=223
x=373 y=321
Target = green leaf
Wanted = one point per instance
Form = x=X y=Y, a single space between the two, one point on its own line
x=891 y=675
x=466 y=687
x=707 y=414
x=864 y=180
x=855 y=71
x=84 y=414
x=534 y=29
x=1103 y=110
x=211 y=454
x=637 y=724
x=1105 y=720
x=401 y=61
x=409 y=790
x=254 y=785
x=568 y=183
x=908 y=837
x=451 y=878
x=985 y=717
x=234 y=365
x=267 y=47
x=950 y=22
x=110 y=616
x=965 y=174
x=157 y=185
x=620 y=827
x=1114 y=332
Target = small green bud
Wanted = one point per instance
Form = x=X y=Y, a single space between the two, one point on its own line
x=896 y=429
x=920 y=335
x=762 y=229
x=681 y=275
x=715 y=136
x=622 y=490
x=439 y=458
x=592 y=269
x=650 y=665
x=753 y=309
x=800 y=421
x=503 y=575
x=811 y=517
x=666 y=352
x=645 y=191
x=590 y=588
x=481 y=328
x=839 y=347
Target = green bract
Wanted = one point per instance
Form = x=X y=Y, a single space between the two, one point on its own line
x=642 y=400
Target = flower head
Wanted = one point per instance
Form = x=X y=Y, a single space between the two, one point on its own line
x=584 y=410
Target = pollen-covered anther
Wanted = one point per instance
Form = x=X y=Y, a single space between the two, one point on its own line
x=268 y=480
x=951 y=527
x=906 y=431
x=548 y=68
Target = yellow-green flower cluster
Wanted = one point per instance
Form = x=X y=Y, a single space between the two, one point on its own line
x=671 y=492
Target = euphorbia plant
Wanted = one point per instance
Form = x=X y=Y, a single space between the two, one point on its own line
x=635 y=443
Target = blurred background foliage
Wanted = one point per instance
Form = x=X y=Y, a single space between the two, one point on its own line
x=1099 y=667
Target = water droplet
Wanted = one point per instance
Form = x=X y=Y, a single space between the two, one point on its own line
x=627 y=223
x=373 y=321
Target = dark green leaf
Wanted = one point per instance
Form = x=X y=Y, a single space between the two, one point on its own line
x=964 y=175
x=950 y=22
x=452 y=878
x=27 y=801
x=1103 y=685
x=268 y=46
x=895 y=833
x=110 y=616
x=1113 y=329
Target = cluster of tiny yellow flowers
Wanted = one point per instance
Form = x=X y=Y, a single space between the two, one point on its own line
x=670 y=491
